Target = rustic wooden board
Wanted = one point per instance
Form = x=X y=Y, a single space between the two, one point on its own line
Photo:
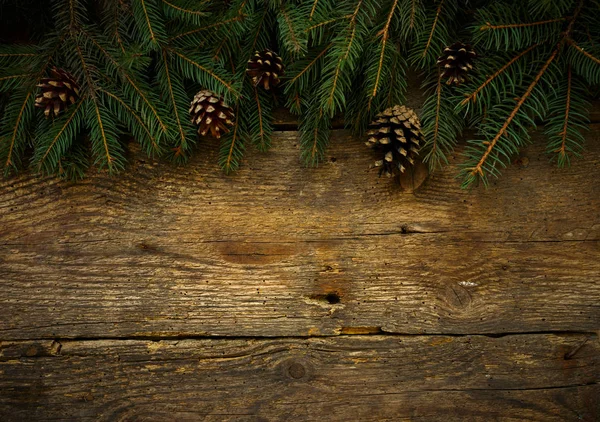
x=477 y=378
x=281 y=250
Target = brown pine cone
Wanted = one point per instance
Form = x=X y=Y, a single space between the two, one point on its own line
x=57 y=92
x=209 y=112
x=456 y=61
x=396 y=135
x=265 y=68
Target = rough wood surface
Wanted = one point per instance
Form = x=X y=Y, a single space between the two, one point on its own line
x=281 y=250
x=346 y=378
x=286 y=293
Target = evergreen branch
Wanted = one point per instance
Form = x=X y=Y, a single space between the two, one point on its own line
x=569 y=29
x=327 y=22
x=473 y=95
x=413 y=14
x=72 y=14
x=60 y=132
x=152 y=36
x=208 y=71
x=233 y=148
x=478 y=169
x=261 y=132
x=207 y=27
x=384 y=33
x=135 y=116
x=172 y=98
x=129 y=79
x=581 y=50
x=436 y=126
x=489 y=26
x=292 y=38
x=184 y=10
x=109 y=159
x=312 y=11
x=92 y=91
x=563 y=132
x=435 y=21
x=310 y=64
x=14 y=135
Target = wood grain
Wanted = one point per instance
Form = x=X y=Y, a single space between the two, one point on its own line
x=165 y=251
x=475 y=378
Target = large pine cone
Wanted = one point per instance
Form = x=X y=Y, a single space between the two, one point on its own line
x=396 y=134
x=57 y=92
x=265 y=68
x=209 y=112
x=456 y=62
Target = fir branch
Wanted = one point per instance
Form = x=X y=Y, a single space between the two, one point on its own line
x=473 y=96
x=65 y=126
x=488 y=26
x=179 y=127
x=229 y=87
x=15 y=131
x=312 y=11
x=434 y=142
x=140 y=124
x=186 y=10
x=582 y=51
x=124 y=73
x=205 y=28
x=478 y=169
x=92 y=95
x=384 y=34
x=568 y=119
x=563 y=132
x=435 y=21
x=232 y=148
x=309 y=65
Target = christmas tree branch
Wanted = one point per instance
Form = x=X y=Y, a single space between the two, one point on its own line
x=435 y=21
x=14 y=134
x=180 y=130
x=384 y=34
x=489 y=26
x=581 y=50
x=563 y=133
x=478 y=169
x=473 y=95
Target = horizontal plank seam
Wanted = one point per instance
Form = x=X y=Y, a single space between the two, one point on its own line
x=327 y=239
x=61 y=340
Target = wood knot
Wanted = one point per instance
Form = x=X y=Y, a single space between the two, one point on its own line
x=296 y=369
x=457 y=296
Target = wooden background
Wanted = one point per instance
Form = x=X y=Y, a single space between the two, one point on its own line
x=287 y=293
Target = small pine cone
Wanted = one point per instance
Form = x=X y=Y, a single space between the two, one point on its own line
x=209 y=112
x=265 y=68
x=396 y=134
x=57 y=92
x=456 y=62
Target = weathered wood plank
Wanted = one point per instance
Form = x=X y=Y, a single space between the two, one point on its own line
x=169 y=251
x=475 y=378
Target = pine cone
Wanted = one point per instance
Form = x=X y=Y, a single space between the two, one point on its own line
x=396 y=134
x=456 y=62
x=57 y=92
x=266 y=68
x=209 y=112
